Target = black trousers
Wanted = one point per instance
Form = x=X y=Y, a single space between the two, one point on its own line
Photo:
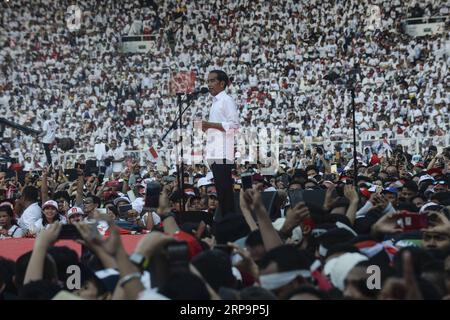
x=48 y=153
x=224 y=186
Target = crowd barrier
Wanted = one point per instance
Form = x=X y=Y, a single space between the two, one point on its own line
x=14 y=248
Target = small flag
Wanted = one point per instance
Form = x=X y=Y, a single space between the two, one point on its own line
x=152 y=154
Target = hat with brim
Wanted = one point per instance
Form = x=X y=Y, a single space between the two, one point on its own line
x=50 y=203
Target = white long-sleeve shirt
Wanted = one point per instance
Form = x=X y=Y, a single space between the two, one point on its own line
x=31 y=214
x=220 y=145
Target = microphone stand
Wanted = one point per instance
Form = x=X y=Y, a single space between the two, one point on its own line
x=178 y=122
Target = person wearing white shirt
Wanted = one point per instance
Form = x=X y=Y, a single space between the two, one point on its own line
x=32 y=211
x=220 y=130
x=48 y=135
x=115 y=155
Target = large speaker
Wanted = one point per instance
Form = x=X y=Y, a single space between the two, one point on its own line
x=232 y=226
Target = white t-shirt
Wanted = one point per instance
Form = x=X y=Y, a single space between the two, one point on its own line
x=117 y=154
x=220 y=145
x=14 y=232
x=50 y=131
x=30 y=216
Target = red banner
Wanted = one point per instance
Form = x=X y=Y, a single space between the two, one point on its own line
x=14 y=248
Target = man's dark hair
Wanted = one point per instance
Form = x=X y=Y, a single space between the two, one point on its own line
x=62 y=194
x=30 y=193
x=95 y=199
x=215 y=266
x=64 y=257
x=221 y=76
x=411 y=185
x=49 y=272
x=185 y=286
x=254 y=239
x=39 y=290
x=287 y=258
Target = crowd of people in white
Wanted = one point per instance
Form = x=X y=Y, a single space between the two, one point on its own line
x=287 y=60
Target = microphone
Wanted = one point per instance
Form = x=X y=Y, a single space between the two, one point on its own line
x=198 y=92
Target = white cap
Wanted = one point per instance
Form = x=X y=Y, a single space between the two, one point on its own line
x=50 y=203
x=342 y=266
x=425 y=177
x=203 y=182
x=427 y=205
x=74 y=210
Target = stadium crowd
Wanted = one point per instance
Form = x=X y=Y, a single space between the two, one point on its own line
x=283 y=58
x=323 y=231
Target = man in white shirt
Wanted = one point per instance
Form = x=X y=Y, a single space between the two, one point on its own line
x=220 y=129
x=32 y=212
x=115 y=158
x=48 y=135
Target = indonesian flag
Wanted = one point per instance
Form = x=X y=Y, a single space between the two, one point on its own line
x=152 y=155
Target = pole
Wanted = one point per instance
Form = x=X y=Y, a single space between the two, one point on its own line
x=355 y=154
x=180 y=166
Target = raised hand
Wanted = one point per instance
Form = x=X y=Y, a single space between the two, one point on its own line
x=404 y=288
x=49 y=236
x=387 y=224
x=350 y=193
x=295 y=216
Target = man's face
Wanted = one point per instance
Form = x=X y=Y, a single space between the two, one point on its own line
x=214 y=85
x=113 y=144
x=407 y=194
x=63 y=205
x=213 y=203
x=89 y=205
x=435 y=240
x=75 y=218
x=391 y=197
x=418 y=202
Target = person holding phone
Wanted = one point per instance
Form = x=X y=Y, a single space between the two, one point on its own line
x=220 y=130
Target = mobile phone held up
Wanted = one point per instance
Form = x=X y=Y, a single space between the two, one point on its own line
x=246 y=180
x=69 y=232
x=412 y=221
x=123 y=210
